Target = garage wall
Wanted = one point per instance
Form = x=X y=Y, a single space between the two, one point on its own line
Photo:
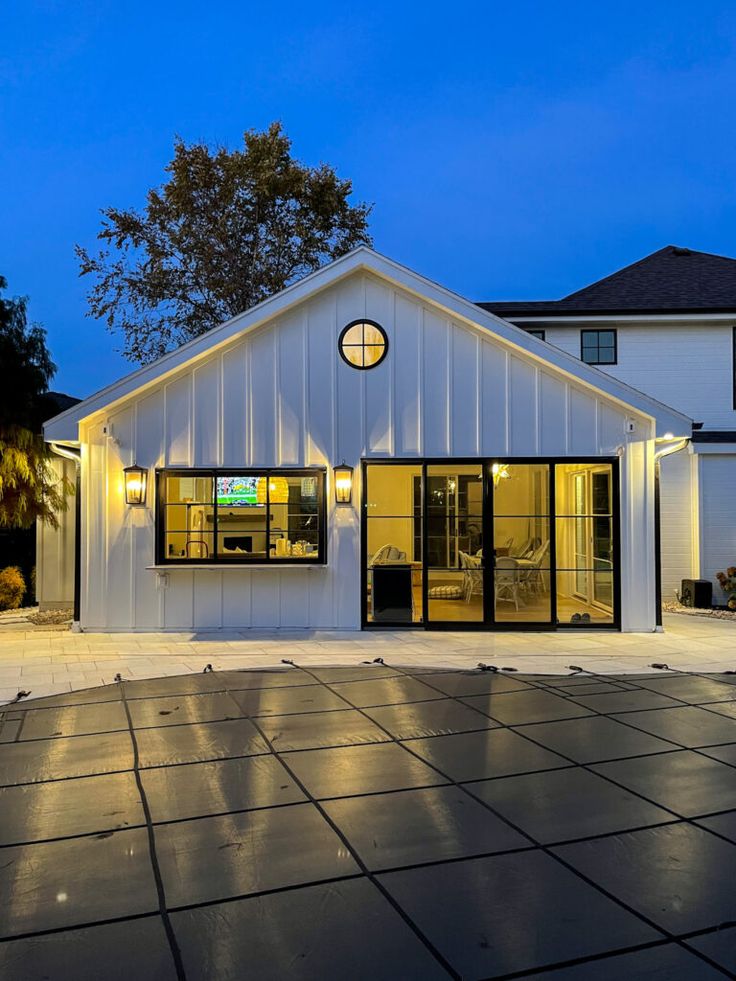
x=717 y=480
x=678 y=497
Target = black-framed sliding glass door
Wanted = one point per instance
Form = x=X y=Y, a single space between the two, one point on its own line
x=493 y=543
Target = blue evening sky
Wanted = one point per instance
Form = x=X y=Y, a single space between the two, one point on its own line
x=510 y=150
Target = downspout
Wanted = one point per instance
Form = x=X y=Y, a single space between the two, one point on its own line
x=75 y=454
x=658 y=456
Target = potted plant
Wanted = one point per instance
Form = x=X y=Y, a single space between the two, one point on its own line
x=727 y=582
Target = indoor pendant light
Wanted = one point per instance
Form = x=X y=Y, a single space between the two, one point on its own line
x=278 y=490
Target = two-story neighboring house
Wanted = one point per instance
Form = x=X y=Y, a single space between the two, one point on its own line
x=666 y=325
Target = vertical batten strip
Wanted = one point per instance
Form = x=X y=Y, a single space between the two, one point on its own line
x=335 y=394
x=276 y=455
x=304 y=327
x=363 y=382
x=450 y=370
x=537 y=410
x=481 y=390
x=421 y=401
x=130 y=537
x=192 y=417
x=392 y=382
x=221 y=419
x=331 y=543
x=597 y=425
x=507 y=414
x=248 y=427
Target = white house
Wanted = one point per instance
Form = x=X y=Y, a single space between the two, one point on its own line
x=666 y=325
x=492 y=480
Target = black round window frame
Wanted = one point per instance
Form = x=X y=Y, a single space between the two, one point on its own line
x=354 y=323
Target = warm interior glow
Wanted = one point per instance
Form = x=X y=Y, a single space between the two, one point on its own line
x=278 y=490
x=500 y=472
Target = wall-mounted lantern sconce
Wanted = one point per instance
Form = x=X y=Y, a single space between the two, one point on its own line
x=136 y=479
x=343 y=483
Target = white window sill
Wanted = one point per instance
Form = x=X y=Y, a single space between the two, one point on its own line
x=237 y=567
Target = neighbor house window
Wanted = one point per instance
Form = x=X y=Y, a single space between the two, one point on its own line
x=363 y=344
x=537 y=333
x=240 y=516
x=598 y=346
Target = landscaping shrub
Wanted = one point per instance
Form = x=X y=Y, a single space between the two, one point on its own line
x=12 y=588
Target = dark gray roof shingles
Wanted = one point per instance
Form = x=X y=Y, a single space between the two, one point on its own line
x=670 y=280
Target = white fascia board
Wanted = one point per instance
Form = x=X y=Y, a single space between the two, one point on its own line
x=565 y=320
x=65 y=426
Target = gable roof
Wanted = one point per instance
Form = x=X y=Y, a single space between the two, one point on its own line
x=64 y=427
x=672 y=280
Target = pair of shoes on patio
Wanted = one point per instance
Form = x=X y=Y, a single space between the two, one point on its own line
x=580 y=618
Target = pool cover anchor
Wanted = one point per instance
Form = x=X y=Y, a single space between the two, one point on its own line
x=21 y=694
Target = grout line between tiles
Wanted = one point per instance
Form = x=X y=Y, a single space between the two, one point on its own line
x=156 y=868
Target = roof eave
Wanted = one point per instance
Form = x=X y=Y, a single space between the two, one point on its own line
x=65 y=426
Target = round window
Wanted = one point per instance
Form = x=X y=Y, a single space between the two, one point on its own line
x=363 y=344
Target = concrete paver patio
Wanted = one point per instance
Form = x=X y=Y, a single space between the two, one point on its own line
x=46 y=662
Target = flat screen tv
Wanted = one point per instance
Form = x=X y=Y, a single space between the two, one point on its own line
x=238 y=492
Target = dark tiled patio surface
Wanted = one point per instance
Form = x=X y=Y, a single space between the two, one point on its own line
x=370 y=822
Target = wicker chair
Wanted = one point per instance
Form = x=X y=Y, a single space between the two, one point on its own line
x=472 y=575
x=507 y=581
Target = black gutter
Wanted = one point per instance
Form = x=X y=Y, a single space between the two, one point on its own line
x=714 y=436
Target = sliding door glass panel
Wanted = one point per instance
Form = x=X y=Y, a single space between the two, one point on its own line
x=454 y=542
x=521 y=542
x=393 y=518
x=585 y=546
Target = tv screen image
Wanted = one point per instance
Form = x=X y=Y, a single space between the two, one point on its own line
x=237 y=492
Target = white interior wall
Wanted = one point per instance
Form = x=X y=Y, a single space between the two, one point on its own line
x=281 y=396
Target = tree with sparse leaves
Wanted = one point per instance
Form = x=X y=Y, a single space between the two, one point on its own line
x=29 y=487
x=227 y=230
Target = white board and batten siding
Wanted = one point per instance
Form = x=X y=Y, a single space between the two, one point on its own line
x=688 y=366
x=679 y=521
x=281 y=396
x=55 y=549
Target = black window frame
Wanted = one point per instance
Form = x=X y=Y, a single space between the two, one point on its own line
x=537 y=332
x=490 y=622
x=599 y=330
x=240 y=560
x=355 y=323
